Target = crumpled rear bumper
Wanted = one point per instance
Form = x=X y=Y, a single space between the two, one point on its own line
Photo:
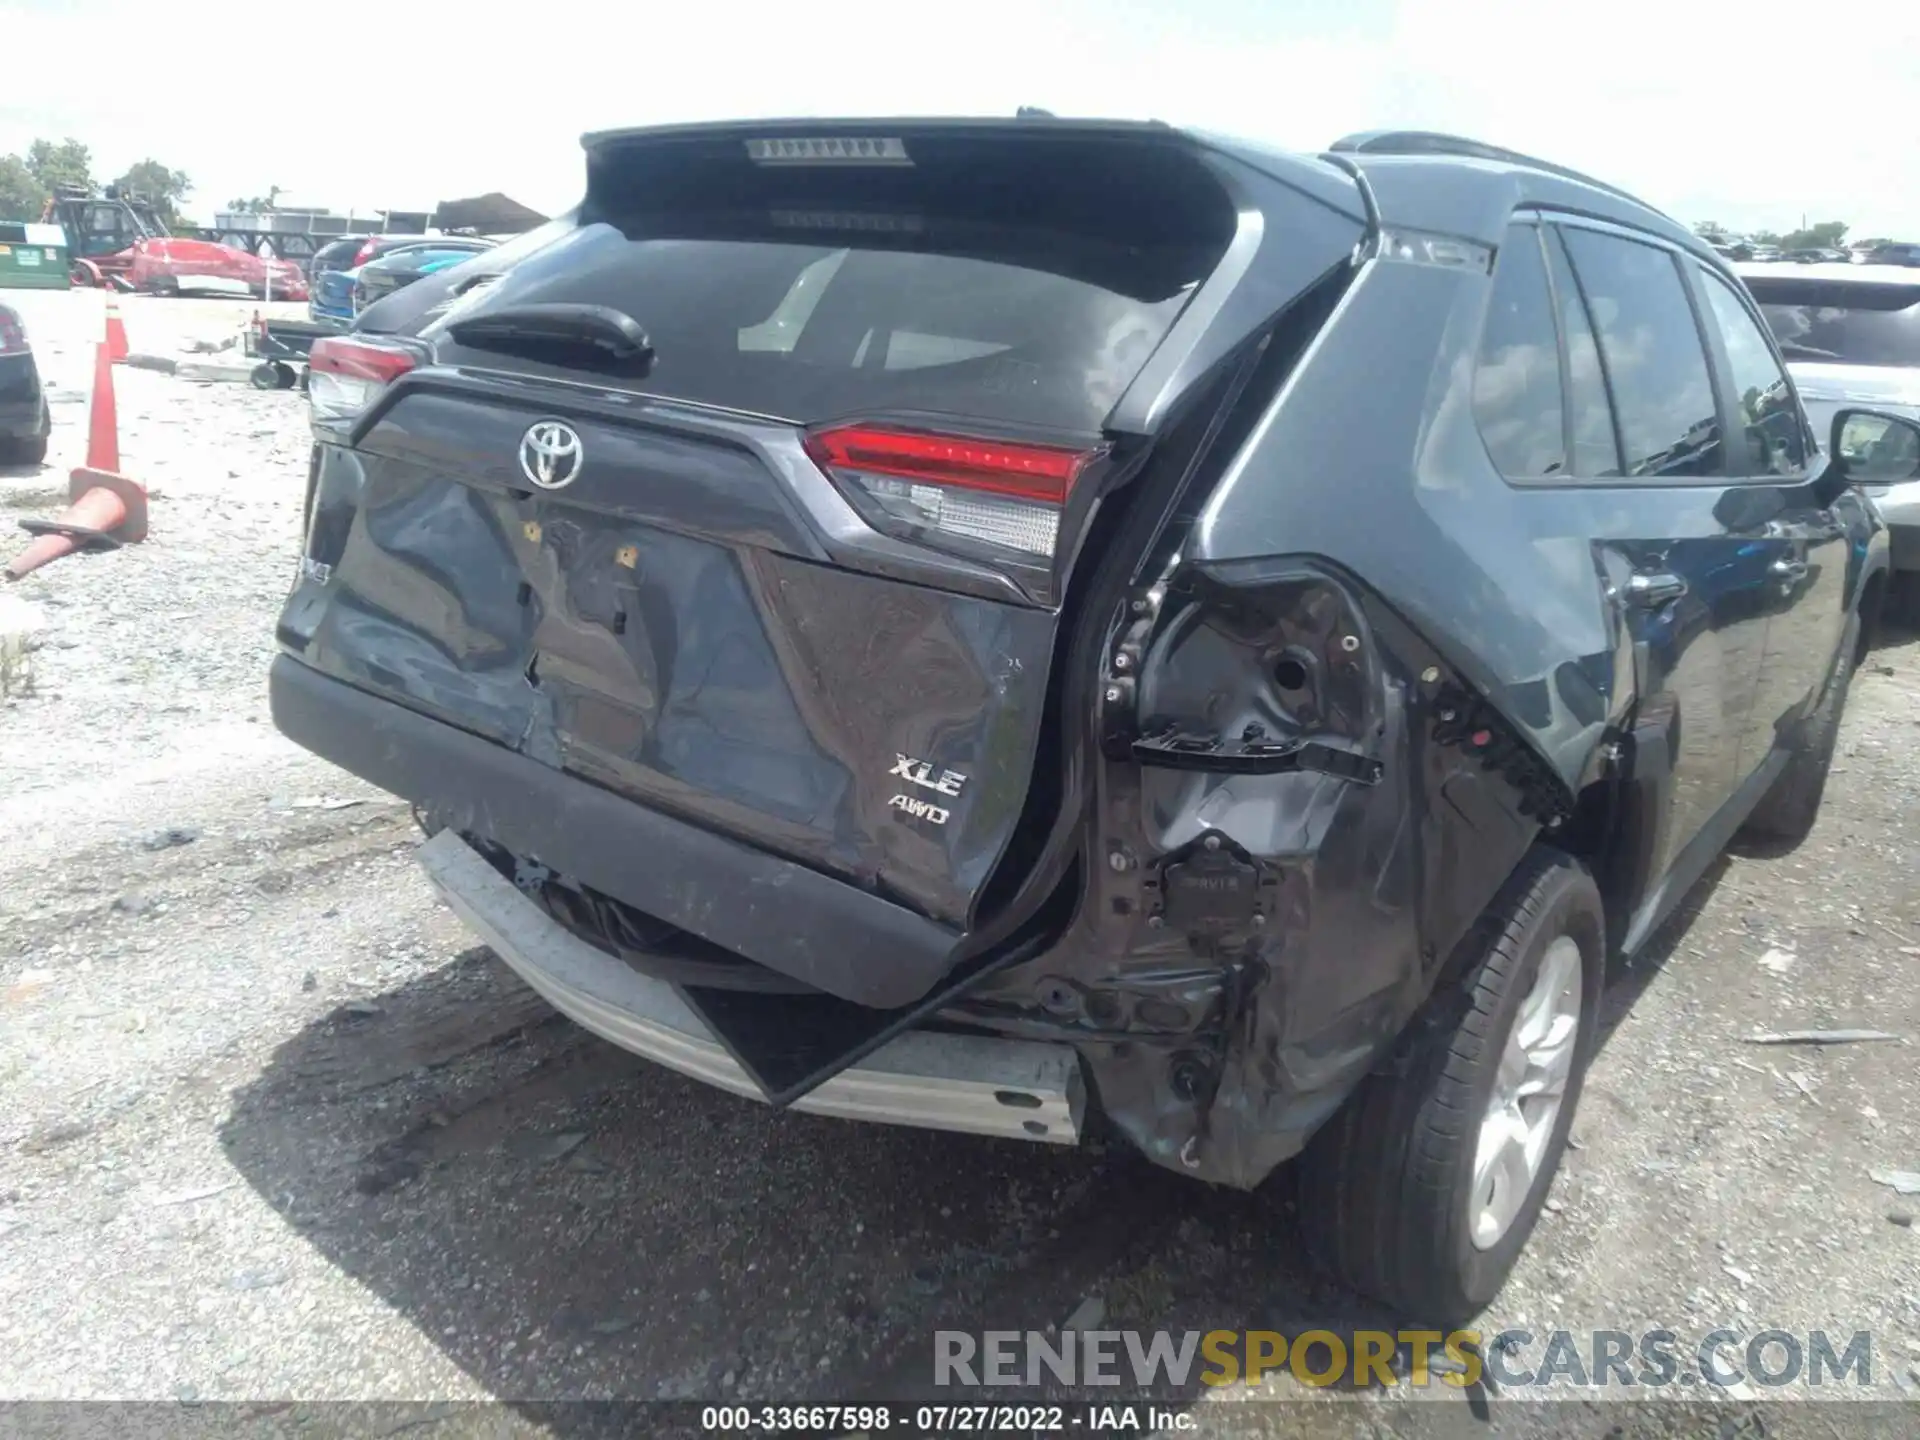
x=980 y=1085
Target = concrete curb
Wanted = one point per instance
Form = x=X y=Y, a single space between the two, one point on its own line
x=232 y=372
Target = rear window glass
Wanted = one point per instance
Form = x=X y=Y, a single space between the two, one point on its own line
x=1842 y=322
x=1022 y=282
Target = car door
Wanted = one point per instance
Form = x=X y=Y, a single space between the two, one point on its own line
x=1646 y=427
x=1802 y=556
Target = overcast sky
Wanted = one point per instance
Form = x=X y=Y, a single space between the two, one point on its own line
x=1708 y=109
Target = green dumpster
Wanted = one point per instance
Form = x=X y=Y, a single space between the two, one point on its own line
x=33 y=257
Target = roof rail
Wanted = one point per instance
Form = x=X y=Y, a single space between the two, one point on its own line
x=1429 y=142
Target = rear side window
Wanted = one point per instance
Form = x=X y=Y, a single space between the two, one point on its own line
x=1774 y=443
x=1516 y=382
x=1595 y=447
x=1655 y=363
x=1841 y=322
x=1024 y=282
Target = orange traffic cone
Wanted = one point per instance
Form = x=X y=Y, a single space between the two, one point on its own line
x=103 y=419
x=116 y=331
x=106 y=509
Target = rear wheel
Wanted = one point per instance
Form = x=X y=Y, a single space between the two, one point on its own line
x=1903 y=600
x=1786 y=813
x=1423 y=1190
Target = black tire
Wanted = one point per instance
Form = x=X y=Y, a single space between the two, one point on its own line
x=1785 y=815
x=1903 y=601
x=265 y=376
x=24 y=452
x=1387 y=1185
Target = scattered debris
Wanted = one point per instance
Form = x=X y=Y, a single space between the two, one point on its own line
x=380 y=1176
x=612 y=1326
x=1821 y=1037
x=169 y=838
x=1803 y=1082
x=1904 y=1182
x=323 y=802
x=309 y=982
x=1902 y=1218
x=132 y=904
x=544 y=1149
x=257 y=1279
x=1900 y=935
x=1744 y=1277
x=361 y=1008
x=62 y=1132
x=1778 y=961
x=1087 y=1315
x=188 y=1197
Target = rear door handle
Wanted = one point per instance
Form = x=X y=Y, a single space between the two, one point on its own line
x=1650 y=589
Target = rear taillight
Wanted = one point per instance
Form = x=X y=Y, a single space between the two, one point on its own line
x=362 y=255
x=345 y=373
x=13 y=335
x=985 y=491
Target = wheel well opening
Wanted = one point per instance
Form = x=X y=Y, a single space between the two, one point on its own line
x=1872 y=600
x=1586 y=832
x=1606 y=836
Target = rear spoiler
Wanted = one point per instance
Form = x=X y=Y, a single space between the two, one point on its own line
x=1298 y=217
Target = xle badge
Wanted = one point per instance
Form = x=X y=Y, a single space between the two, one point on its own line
x=919 y=772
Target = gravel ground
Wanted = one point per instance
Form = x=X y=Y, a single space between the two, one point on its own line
x=277 y=1130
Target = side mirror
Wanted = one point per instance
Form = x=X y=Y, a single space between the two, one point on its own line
x=1872 y=447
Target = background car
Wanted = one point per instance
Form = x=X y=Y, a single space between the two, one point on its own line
x=335 y=266
x=399 y=268
x=1896 y=253
x=1851 y=336
x=24 y=420
x=1819 y=255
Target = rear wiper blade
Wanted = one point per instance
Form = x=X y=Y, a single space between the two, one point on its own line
x=601 y=332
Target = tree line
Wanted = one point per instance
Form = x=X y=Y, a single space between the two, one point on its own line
x=1827 y=235
x=28 y=181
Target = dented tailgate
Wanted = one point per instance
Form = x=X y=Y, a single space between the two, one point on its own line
x=751 y=496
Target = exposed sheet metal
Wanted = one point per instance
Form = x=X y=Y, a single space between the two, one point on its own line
x=1014 y=1089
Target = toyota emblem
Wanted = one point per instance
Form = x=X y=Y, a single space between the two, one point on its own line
x=550 y=455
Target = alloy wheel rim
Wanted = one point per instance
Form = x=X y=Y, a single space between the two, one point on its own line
x=1528 y=1089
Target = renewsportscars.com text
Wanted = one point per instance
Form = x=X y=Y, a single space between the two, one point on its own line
x=1508 y=1359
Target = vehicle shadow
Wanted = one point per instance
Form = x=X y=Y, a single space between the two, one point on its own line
x=571 y=1225
x=568 y=1223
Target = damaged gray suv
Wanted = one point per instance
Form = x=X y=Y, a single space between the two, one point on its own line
x=1014 y=626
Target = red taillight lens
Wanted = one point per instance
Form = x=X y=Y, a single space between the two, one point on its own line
x=344 y=374
x=363 y=254
x=13 y=335
x=993 y=491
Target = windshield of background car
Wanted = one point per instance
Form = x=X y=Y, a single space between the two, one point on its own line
x=1841 y=322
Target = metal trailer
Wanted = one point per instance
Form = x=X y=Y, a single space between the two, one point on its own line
x=282 y=347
